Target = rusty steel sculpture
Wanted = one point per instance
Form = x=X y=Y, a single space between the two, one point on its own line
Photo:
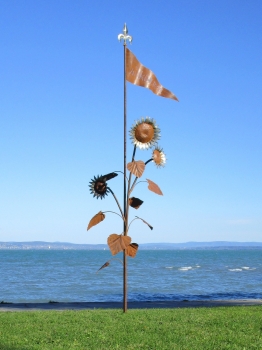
x=144 y=135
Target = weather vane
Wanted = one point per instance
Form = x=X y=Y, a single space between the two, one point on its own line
x=144 y=135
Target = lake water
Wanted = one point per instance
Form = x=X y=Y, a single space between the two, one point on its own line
x=70 y=275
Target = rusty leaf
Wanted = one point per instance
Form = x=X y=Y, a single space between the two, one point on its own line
x=136 y=167
x=102 y=267
x=96 y=220
x=154 y=187
x=135 y=202
x=109 y=176
x=145 y=222
x=131 y=250
x=117 y=243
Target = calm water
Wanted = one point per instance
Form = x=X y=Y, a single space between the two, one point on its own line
x=70 y=275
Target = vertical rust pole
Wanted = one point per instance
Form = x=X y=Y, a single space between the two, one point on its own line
x=125 y=37
x=125 y=223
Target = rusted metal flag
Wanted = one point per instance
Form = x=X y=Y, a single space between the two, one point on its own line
x=138 y=74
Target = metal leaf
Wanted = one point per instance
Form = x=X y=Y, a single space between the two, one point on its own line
x=109 y=176
x=135 y=202
x=102 y=267
x=145 y=222
x=154 y=187
x=136 y=167
x=96 y=220
x=131 y=250
x=117 y=243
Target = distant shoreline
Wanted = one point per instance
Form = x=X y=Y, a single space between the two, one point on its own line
x=40 y=245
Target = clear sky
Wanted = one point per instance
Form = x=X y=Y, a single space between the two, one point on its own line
x=61 y=118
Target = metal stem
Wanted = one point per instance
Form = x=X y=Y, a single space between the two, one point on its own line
x=125 y=222
x=117 y=203
x=110 y=211
x=133 y=185
x=149 y=160
x=128 y=189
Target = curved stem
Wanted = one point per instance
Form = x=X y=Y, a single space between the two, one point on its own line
x=131 y=222
x=145 y=222
x=117 y=259
x=141 y=181
x=109 y=211
x=107 y=264
x=117 y=203
x=133 y=185
x=118 y=171
x=128 y=190
x=149 y=160
x=134 y=153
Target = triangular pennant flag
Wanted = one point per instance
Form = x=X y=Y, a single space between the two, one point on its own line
x=138 y=74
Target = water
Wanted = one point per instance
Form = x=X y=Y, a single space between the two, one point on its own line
x=70 y=275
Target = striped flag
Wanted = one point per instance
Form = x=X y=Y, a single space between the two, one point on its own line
x=138 y=74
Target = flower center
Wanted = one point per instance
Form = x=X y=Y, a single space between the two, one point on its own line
x=157 y=156
x=144 y=132
x=100 y=187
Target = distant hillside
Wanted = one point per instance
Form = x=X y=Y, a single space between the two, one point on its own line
x=202 y=245
x=51 y=245
x=145 y=246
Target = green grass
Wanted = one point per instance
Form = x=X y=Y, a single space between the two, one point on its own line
x=217 y=328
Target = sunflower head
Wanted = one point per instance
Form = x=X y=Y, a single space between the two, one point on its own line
x=144 y=133
x=159 y=157
x=98 y=187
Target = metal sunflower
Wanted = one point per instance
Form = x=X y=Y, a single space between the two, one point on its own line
x=159 y=157
x=144 y=133
x=98 y=187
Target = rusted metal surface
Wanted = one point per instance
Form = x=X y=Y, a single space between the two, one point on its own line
x=144 y=135
x=117 y=243
x=106 y=264
x=131 y=250
x=136 y=167
x=145 y=222
x=154 y=187
x=135 y=202
x=96 y=220
x=139 y=75
x=103 y=266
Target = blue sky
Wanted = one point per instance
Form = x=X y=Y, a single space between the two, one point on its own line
x=61 y=118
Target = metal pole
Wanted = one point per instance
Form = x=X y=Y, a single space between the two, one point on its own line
x=125 y=37
x=125 y=223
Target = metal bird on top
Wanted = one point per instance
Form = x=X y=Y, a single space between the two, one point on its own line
x=144 y=135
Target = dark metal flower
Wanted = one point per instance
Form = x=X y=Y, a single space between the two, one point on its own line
x=98 y=186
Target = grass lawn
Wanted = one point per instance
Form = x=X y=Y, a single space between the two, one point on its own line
x=238 y=327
